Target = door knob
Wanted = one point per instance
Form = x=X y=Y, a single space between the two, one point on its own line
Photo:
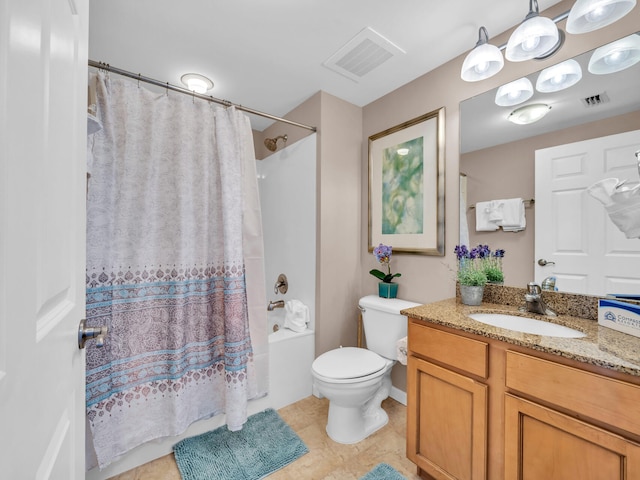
x=542 y=262
x=85 y=333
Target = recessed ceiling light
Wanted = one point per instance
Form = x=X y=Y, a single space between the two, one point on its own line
x=196 y=82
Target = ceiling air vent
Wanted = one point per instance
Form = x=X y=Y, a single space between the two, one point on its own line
x=364 y=52
x=595 y=100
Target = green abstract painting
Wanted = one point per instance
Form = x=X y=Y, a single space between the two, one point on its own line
x=402 y=188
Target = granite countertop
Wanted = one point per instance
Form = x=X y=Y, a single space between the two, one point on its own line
x=602 y=346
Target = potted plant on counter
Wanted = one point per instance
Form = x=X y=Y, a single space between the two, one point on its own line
x=386 y=287
x=471 y=275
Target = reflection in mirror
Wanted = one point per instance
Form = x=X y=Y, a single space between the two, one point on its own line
x=497 y=156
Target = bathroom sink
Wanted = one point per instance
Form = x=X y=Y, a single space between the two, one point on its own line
x=526 y=325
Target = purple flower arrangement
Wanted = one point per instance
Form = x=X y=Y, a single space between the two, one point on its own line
x=479 y=265
x=383 y=255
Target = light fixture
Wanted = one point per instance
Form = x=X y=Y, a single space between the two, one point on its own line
x=196 y=82
x=588 y=15
x=615 y=56
x=535 y=37
x=484 y=61
x=403 y=151
x=558 y=77
x=529 y=113
x=514 y=92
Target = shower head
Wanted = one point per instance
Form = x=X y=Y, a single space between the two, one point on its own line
x=272 y=143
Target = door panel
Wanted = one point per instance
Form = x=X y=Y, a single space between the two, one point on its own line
x=572 y=229
x=43 y=71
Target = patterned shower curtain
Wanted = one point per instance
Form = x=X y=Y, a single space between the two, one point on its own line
x=174 y=267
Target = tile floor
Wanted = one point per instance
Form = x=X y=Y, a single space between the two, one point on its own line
x=326 y=460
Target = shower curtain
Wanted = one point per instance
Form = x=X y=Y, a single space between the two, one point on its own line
x=174 y=267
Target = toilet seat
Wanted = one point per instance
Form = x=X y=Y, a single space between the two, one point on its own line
x=348 y=364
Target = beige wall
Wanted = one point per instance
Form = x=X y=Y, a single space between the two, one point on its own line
x=426 y=279
x=515 y=161
x=338 y=278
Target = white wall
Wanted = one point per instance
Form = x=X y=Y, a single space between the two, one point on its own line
x=287 y=183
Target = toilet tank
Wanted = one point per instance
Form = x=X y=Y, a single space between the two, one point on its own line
x=383 y=324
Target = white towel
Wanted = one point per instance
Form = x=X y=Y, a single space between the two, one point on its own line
x=483 y=212
x=296 y=315
x=513 y=216
x=622 y=202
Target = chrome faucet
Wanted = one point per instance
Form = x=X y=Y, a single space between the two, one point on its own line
x=274 y=305
x=535 y=303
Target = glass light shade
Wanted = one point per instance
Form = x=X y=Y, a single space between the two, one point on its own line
x=196 y=83
x=535 y=37
x=514 y=92
x=615 y=56
x=589 y=15
x=529 y=113
x=558 y=77
x=484 y=61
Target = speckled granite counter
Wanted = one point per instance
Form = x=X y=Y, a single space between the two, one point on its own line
x=602 y=346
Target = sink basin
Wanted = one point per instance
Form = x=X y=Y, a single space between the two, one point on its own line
x=526 y=325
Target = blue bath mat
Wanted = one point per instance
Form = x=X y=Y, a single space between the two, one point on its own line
x=265 y=444
x=382 y=471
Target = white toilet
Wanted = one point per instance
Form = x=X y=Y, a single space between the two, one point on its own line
x=357 y=380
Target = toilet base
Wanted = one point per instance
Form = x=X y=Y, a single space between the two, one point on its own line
x=352 y=424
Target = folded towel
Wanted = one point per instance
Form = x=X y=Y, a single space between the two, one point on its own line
x=483 y=212
x=296 y=315
x=513 y=216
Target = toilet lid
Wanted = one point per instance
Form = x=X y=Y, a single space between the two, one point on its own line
x=348 y=362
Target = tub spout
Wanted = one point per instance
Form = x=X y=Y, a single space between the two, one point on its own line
x=274 y=305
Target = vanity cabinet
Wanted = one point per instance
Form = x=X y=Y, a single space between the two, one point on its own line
x=562 y=439
x=479 y=408
x=447 y=414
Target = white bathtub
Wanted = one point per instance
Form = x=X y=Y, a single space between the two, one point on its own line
x=290 y=357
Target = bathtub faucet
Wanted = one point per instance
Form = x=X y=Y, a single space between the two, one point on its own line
x=274 y=305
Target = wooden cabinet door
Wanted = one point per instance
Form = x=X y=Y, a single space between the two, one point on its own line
x=446 y=422
x=542 y=444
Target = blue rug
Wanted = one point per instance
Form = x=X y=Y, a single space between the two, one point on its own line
x=265 y=444
x=382 y=471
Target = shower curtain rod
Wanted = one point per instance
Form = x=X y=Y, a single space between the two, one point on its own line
x=168 y=86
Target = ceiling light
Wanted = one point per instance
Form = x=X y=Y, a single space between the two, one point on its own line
x=514 y=92
x=484 y=61
x=615 y=56
x=529 y=113
x=558 y=77
x=196 y=83
x=535 y=37
x=588 y=15
x=403 y=151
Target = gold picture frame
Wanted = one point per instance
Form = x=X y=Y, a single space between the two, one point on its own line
x=406 y=186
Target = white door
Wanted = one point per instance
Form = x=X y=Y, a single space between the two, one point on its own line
x=589 y=252
x=43 y=98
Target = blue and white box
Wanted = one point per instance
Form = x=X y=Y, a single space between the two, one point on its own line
x=621 y=316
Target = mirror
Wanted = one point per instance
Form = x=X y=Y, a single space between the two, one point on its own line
x=498 y=156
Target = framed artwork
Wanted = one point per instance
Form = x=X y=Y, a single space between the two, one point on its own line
x=406 y=186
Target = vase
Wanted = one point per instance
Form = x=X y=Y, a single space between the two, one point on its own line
x=471 y=294
x=387 y=290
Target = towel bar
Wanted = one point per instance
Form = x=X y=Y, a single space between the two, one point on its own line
x=527 y=203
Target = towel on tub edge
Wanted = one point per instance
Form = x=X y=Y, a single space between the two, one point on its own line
x=296 y=315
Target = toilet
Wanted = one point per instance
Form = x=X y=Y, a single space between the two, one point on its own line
x=357 y=380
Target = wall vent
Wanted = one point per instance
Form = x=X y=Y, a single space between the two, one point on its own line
x=595 y=100
x=360 y=55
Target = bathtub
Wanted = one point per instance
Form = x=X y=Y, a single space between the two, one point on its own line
x=290 y=357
